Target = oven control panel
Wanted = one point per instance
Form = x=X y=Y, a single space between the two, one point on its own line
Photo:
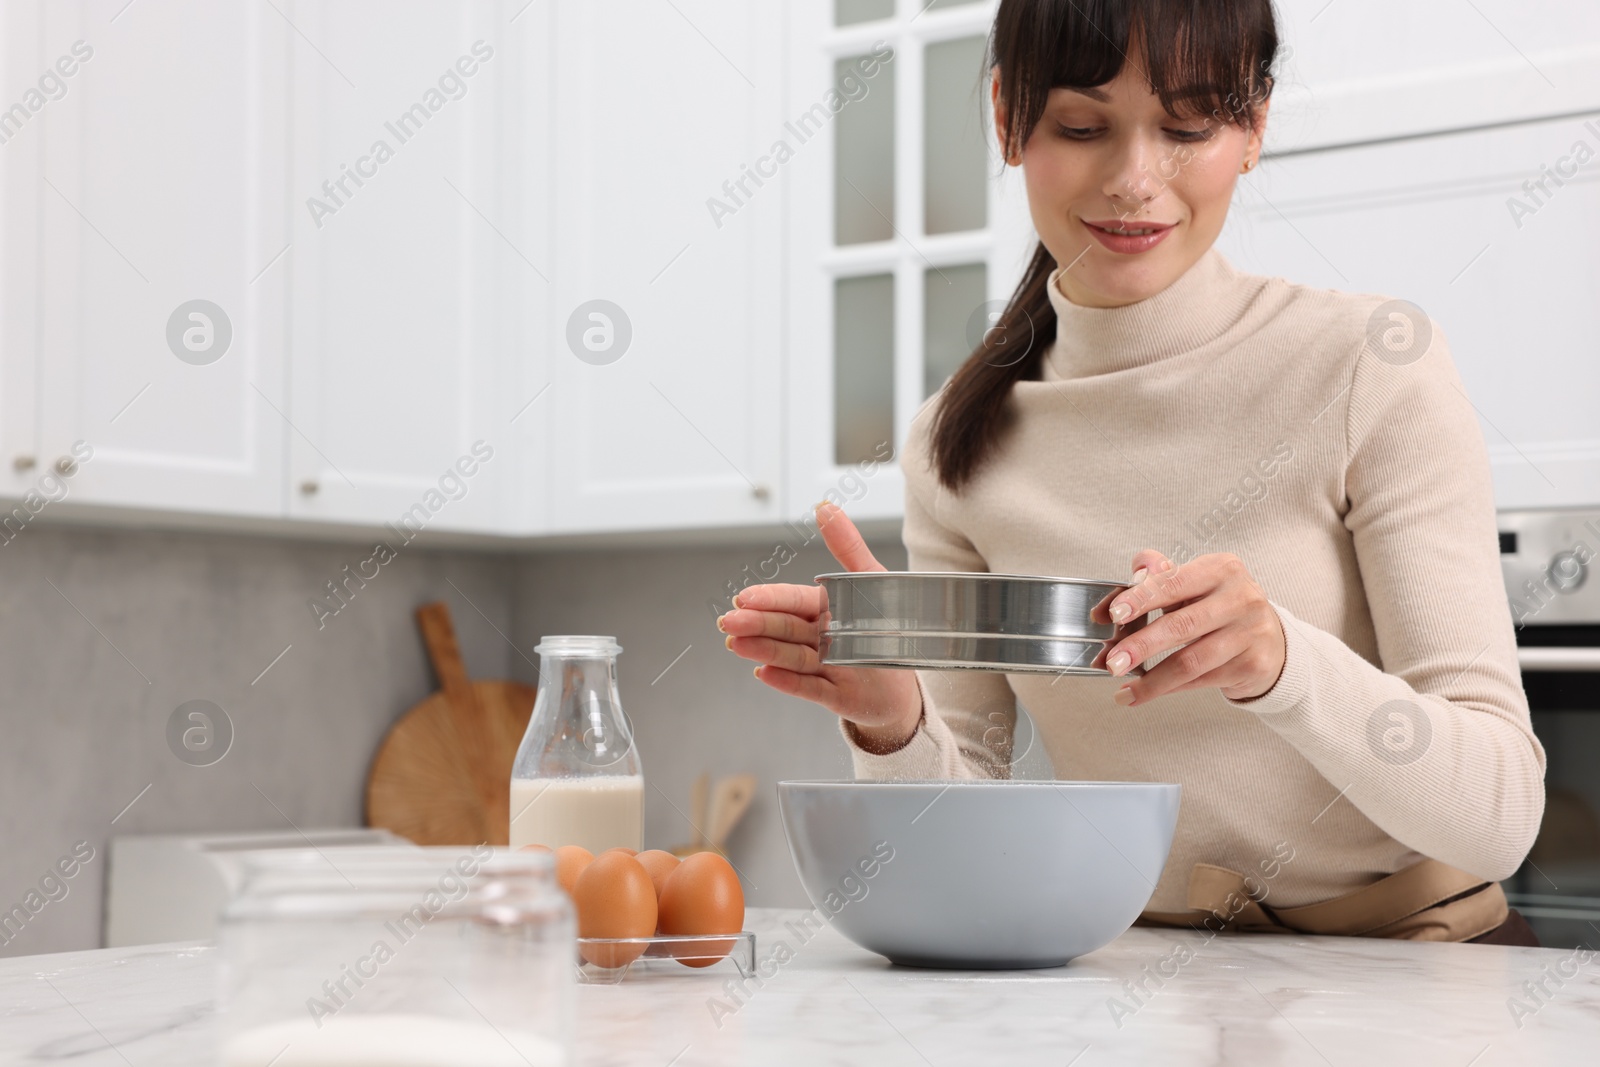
x=1549 y=561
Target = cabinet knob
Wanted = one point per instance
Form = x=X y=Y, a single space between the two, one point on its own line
x=309 y=487
x=23 y=463
x=760 y=492
x=66 y=466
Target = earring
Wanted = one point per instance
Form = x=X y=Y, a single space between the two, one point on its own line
x=1248 y=165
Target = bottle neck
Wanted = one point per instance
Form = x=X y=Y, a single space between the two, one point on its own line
x=578 y=726
x=577 y=674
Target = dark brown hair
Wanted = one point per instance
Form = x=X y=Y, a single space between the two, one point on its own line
x=1200 y=56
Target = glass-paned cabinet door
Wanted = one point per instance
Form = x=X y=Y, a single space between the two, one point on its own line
x=895 y=246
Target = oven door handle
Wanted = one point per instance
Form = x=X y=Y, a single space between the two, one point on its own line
x=1559 y=659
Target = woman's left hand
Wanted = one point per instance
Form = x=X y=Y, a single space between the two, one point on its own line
x=1231 y=637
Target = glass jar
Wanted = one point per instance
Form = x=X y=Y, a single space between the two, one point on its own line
x=577 y=778
x=427 y=957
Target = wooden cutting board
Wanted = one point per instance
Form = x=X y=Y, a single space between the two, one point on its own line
x=443 y=775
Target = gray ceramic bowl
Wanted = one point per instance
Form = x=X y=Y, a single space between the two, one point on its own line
x=979 y=874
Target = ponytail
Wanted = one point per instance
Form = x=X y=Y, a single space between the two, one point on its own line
x=971 y=413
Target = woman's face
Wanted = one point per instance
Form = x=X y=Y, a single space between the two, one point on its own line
x=1122 y=191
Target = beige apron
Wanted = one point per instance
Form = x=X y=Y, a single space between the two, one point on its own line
x=1428 y=901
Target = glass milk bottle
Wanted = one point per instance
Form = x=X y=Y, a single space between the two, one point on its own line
x=577 y=779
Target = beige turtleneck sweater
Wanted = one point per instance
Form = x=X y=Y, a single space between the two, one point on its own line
x=1243 y=414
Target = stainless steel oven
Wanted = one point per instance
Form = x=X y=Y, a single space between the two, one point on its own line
x=1549 y=561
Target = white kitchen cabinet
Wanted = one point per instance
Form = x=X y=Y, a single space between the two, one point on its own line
x=1358 y=71
x=664 y=407
x=417 y=235
x=1509 y=275
x=786 y=311
x=154 y=177
x=19 y=277
x=409 y=340
x=902 y=230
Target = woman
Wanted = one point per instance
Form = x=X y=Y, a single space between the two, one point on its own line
x=1334 y=678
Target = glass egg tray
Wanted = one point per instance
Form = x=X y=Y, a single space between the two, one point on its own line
x=666 y=952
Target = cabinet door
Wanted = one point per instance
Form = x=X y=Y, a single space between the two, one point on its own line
x=905 y=234
x=1434 y=65
x=22 y=59
x=665 y=334
x=1460 y=226
x=157 y=169
x=417 y=244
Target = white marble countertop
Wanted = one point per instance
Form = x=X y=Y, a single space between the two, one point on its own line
x=1242 y=999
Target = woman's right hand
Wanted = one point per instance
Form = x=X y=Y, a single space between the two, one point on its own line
x=778 y=625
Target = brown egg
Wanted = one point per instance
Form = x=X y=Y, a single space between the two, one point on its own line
x=702 y=896
x=534 y=848
x=570 y=862
x=614 y=898
x=622 y=848
x=659 y=864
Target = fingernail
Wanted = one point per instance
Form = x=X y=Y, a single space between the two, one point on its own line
x=738 y=602
x=1120 y=612
x=1138 y=575
x=727 y=642
x=1123 y=696
x=1117 y=663
x=1166 y=565
x=721 y=627
x=756 y=671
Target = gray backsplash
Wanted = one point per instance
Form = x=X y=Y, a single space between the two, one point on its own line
x=107 y=631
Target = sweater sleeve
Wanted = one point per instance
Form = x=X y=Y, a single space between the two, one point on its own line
x=1435 y=746
x=968 y=717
